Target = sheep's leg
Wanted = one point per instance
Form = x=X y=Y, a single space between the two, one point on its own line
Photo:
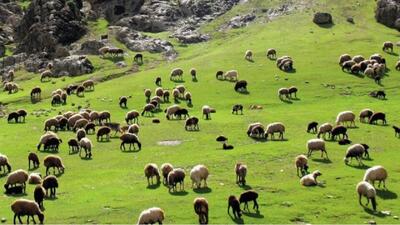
x=255 y=205
x=19 y=218
x=15 y=216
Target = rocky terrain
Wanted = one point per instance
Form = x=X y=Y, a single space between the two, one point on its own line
x=388 y=13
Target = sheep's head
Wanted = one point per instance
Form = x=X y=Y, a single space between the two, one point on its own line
x=41 y=217
x=316 y=173
x=346 y=160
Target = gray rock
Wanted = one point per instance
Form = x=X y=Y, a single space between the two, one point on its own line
x=239 y=21
x=322 y=18
x=72 y=66
x=388 y=13
x=189 y=35
x=91 y=47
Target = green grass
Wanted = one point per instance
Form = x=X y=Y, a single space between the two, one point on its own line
x=111 y=188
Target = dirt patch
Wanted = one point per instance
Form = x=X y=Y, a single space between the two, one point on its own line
x=169 y=142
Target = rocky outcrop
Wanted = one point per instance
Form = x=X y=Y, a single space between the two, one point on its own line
x=90 y=47
x=72 y=66
x=189 y=35
x=10 y=16
x=2 y=50
x=388 y=13
x=322 y=18
x=239 y=21
x=47 y=25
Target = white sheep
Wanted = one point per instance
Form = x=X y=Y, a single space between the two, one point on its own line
x=24 y=207
x=17 y=177
x=273 y=128
x=232 y=75
x=367 y=190
x=376 y=173
x=197 y=174
x=87 y=145
x=151 y=216
x=310 y=179
x=316 y=145
x=346 y=116
x=325 y=128
x=35 y=178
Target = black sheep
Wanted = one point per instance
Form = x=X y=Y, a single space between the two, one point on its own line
x=219 y=75
x=50 y=182
x=221 y=138
x=181 y=112
x=377 y=116
x=381 y=94
x=192 y=123
x=158 y=81
x=39 y=194
x=234 y=203
x=13 y=116
x=123 y=100
x=344 y=142
x=13 y=190
x=52 y=144
x=248 y=196
x=366 y=153
x=227 y=147
x=312 y=127
x=396 y=131
x=35 y=160
x=236 y=108
x=73 y=145
x=138 y=58
x=241 y=86
x=339 y=130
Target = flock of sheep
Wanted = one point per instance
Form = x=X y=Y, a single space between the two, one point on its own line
x=86 y=122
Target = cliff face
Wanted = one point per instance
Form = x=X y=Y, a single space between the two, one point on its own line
x=388 y=13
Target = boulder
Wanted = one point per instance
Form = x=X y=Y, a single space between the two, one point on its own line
x=388 y=13
x=322 y=18
x=239 y=21
x=189 y=35
x=72 y=66
x=91 y=47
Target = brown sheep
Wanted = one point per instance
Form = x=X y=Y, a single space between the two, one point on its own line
x=35 y=160
x=55 y=162
x=150 y=171
x=201 y=209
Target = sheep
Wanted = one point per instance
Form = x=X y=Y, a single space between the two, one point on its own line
x=55 y=162
x=150 y=171
x=354 y=151
x=241 y=172
x=366 y=153
x=283 y=92
x=165 y=169
x=50 y=182
x=255 y=130
x=285 y=63
x=22 y=207
x=188 y=98
x=364 y=188
x=219 y=74
x=123 y=100
x=301 y=164
x=148 y=109
x=81 y=133
x=35 y=178
x=273 y=128
x=80 y=91
x=181 y=112
x=12 y=116
x=171 y=110
x=45 y=137
x=193 y=72
x=347 y=65
x=81 y=123
x=103 y=131
x=64 y=98
x=166 y=95
x=47 y=74
x=387 y=45
x=377 y=116
x=4 y=163
x=176 y=94
x=310 y=179
x=130 y=139
x=241 y=86
x=158 y=81
x=177 y=72
x=355 y=69
x=197 y=174
x=133 y=129
x=49 y=123
x=88 y=85
x=234 y=203
x=39 y=194
x=86 y=144
x=236 y=108
x=365 y=114
x=312 y=126
x=35 y=160
x=52 y=144
x=248 y=55
x=343 y=58
x=17 y=177
x=396 y=131
x=181 y=88
x=339 y=130
x=225 y=146
x=174 y=177
x=72 y=120
x=358 y=58
x=231 y=75
x=374 y=173
x=346 y=116
x=398 y=65
x=151 y=216
x=16 y=190
x=370 y=72
x=104 y=116
x=90 y=127
x=114 y=127
x=93 y=116
x=206 y=111
x=271 y=53
x=248 y=196
x=316 y=145
x=201 y=209
x=73 y=145
x=22 y=113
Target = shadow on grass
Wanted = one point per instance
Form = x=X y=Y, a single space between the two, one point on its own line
x=253 y=215
x=322 y=160
x=326 y=26
x=278 y=140
x=16 y=195
x=236 y=220
x=245 y=187
x=86 y=159
x=178 y=81
x=258 y=139
x=244 y=92
x=386 y=194
x=392 y=53
x=250 y=60
x=50 y=198
x=203 y=190
x=372 y=212
x=295 y=99
x=195 y=80
x=291 y=71
x=154 y=186
x=179 y=193
x=114 y=59
x=362 y=167
x=287 y=101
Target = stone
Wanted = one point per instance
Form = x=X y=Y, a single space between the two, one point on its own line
x=322 y=18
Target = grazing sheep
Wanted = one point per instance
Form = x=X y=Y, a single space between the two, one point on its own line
x=114 y=127
x=365 y=114
x=225 y=146
x=241 y=86
x=166 y=95
x=165 y=169
x=316 y=145
x=81 y=133
x=374 y=173
x=312 y=126
x=50 y=182
x=347 y=65
x=104 y=116
x=398 y=65
x=301 y=164
x=73 y=145
x=366 y=189
x=45 y=75
x=219 y=74
x=283 y=92
x=293 y=90
x=241 y=172
x=343 y=58
x=158 y=81
x=72 y=120
x=387 y=45
x=174 y=177
x=248 y=196
x=35 y=178
x=234 y=203
x=36 y=93
x=35 y=160
x=255 y=130
x=55 y=162
x=23 y=207
x=123 y=100
x=197 y=174
x=188 y=98
x=45 y=137
x=148 y=109
x=206 y=111
x=377 y=116
x=176 y=94
x=130 y=139
x=355 y=69
x=39 y=193
x=90 y=128
x=285 y=63
x=370 y=72
x=171 y=110
x=181 y=112
x=396 y=131
x=86 y=145
x=192 y=123
x=271 y=53
x=79 y=124
x=49 y=123
x=346 y=116
x=22 y=113
x=193 y=72
x=354 y=151
x=273 y=128
x=358 y=58
x=248 y=55
x=13 y=116
x=151 y=216
x=201 y=209
x=88 y=85
x=181 y=88
x=103 y=131
x=236 y=108
x=4 y=163
x=52 y=144
x=339 y=130
x=231 y=75
x=17 y=177
x=177 y=72
x=310 y=179
x=93 y=116
x=16 y=190
x=147 y=94
x=133 y=129
x=150 y=171
x=80 y=91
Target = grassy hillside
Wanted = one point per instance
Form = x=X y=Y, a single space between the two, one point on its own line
x=111 y=188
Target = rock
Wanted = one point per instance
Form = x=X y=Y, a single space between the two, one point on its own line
x=72 y=66
x=322 y=18
x=2 y=50
x=120 y=64
x=143 y=23
x=239 y=21
x=189 y=35
x=91 y=47
x=388 y=13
